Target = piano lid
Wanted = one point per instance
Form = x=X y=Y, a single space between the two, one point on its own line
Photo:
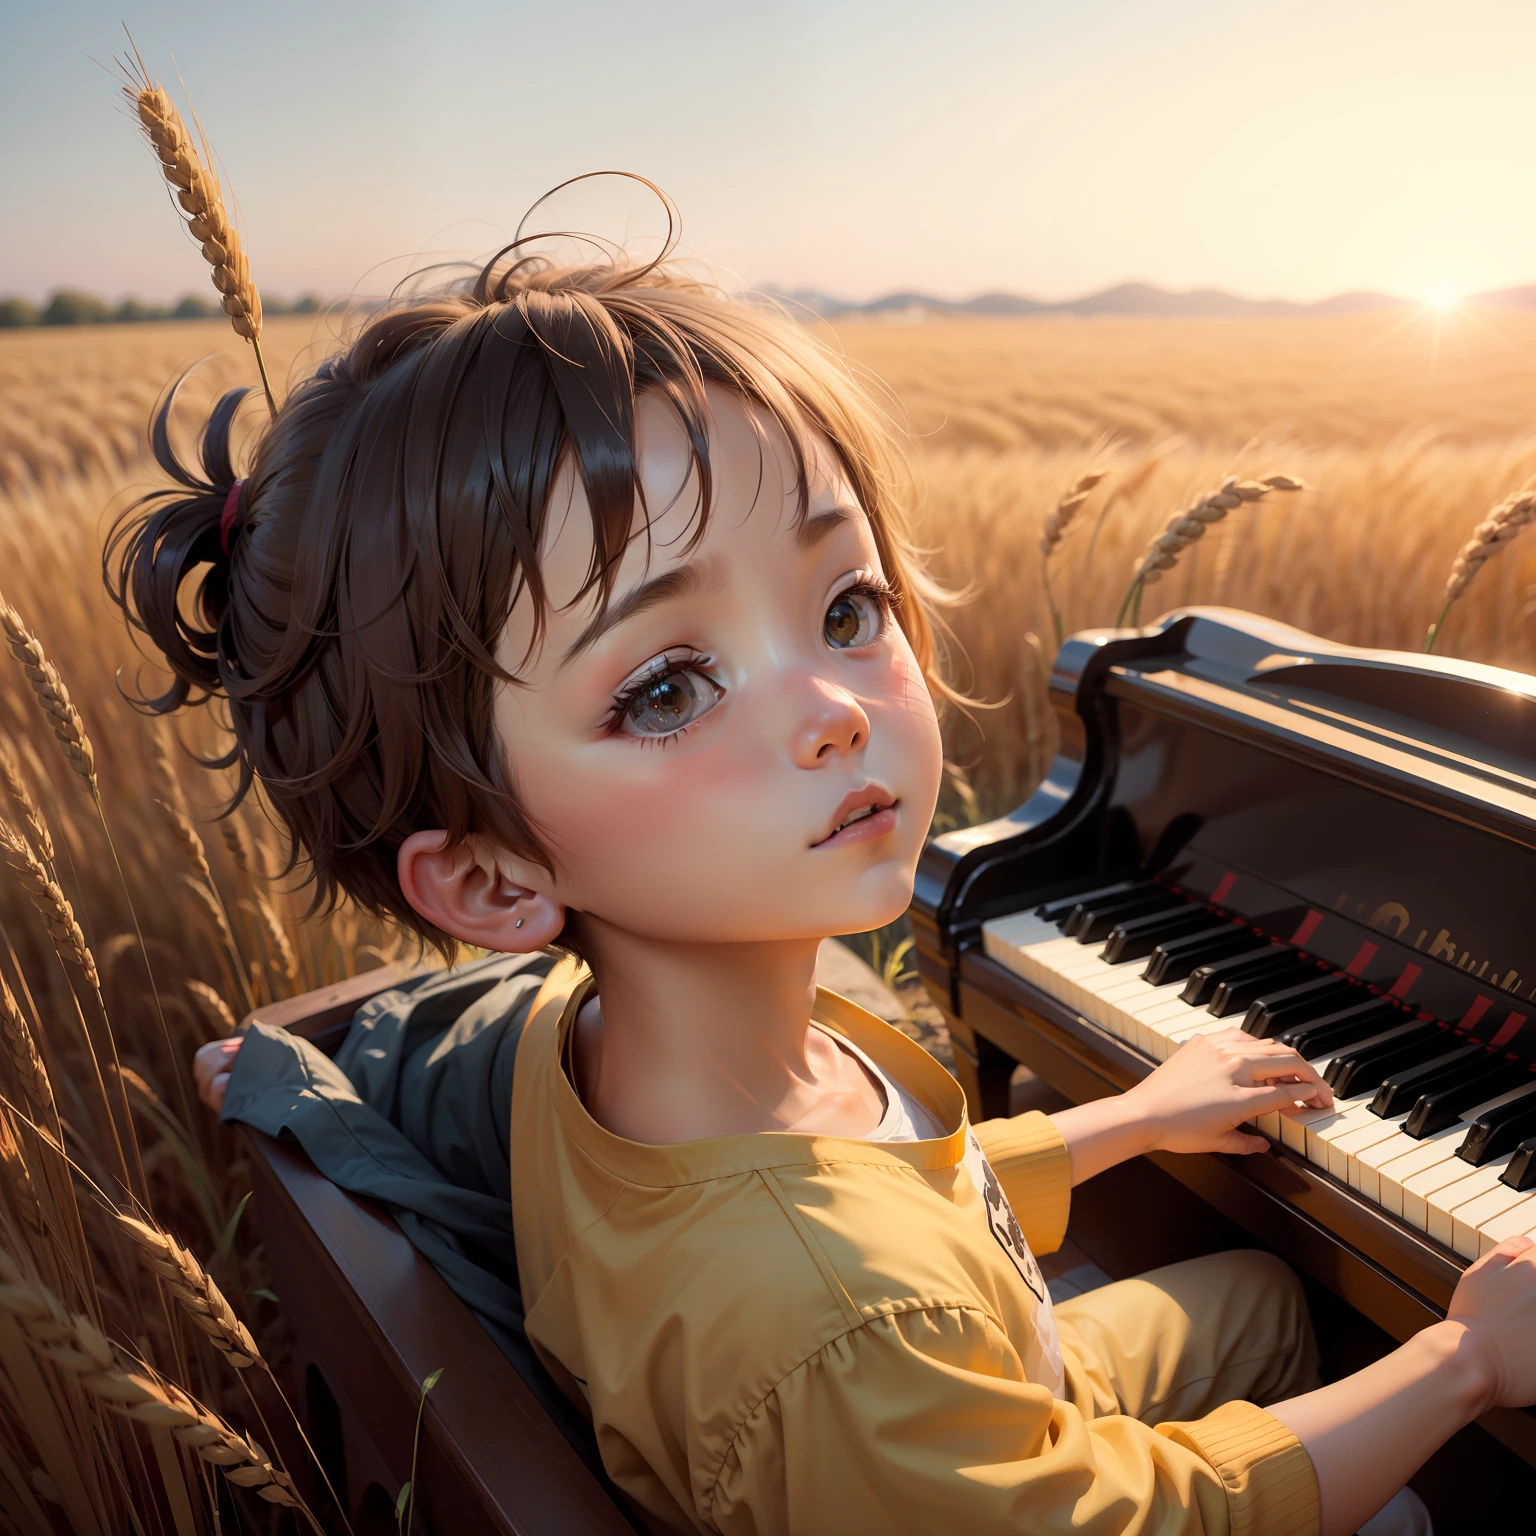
x=1454 y=736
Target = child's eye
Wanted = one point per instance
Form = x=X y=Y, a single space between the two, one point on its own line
x=857 y=617
x=663 y=704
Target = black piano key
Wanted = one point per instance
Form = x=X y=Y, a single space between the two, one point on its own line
x=1059 y=909
x=1204 y=979
x=1337 y=1031
x=1275 y=1012
x=1442 y=1107
x=1500 y=1129
x=1363 y=1067
x=1091 y=922
x=1400 y=1089
x=1137 y=937
x=1236 y=995
x=1174 y=959
x=1521 y=1173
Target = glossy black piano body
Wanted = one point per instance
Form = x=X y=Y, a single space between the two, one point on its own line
x=1375 y=811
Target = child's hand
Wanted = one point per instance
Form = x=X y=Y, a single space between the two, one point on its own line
x=1495 y=1302
x=1198 y=1098
x=210 y=1069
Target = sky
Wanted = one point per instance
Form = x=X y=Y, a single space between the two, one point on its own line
x=1293 y=149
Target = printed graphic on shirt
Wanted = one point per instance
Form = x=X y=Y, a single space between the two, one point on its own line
x=1009 y=1234
x=1047 y=1369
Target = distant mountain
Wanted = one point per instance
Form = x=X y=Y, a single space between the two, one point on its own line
x=1129 y=299
x=1523 y=297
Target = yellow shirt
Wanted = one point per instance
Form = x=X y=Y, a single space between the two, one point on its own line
x=799 y=1334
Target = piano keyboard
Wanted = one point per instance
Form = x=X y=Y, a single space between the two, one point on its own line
x=1437 y=1131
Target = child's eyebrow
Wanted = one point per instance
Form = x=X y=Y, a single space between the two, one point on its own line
x=697 y=576
x=818 y=525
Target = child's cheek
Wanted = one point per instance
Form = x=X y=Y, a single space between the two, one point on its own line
x=634 y=819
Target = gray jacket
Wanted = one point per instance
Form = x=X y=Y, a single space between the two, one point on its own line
x=414 y=1111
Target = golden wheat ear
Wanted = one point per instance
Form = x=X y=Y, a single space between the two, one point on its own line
x=1189 y=527
x=196 y=189
x=1506 y=521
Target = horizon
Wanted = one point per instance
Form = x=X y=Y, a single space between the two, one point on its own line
x=840 y=146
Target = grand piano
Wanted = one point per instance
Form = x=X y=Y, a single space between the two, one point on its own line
x=1334 y=847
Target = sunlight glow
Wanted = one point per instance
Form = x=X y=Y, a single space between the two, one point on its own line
x=1441 y=297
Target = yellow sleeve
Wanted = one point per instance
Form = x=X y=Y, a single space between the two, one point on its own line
x=1034 y=1167
x=922 y=1422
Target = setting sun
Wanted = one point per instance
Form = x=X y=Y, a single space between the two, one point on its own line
x=1442 y=297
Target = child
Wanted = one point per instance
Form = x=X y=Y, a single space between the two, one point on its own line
x=575 y=609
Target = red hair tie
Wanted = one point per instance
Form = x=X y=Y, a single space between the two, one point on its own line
x=227 y=516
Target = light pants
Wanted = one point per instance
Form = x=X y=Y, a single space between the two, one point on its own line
x=1177 y=1343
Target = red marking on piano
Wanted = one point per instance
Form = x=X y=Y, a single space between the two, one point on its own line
x=1307 y=928
x=1401 y=986
x=1508 y=1029
x=1363 y=957
x=1479 y=1007
x=1224 y=889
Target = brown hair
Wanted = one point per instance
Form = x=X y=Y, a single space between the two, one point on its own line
x=395 y=511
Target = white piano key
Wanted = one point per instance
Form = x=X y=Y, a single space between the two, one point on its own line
x=1471 y=1184
x=1160 y=1023
x=1371 y=1160
x=1513 y=1222
x=1119 y=998
x=1470 y=1218
x=1324 y=1127
x=1344 y=1150
x=1418 y=1190
x=1018 y=928
x=1425 y=1155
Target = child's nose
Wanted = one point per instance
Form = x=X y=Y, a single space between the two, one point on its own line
x=832 y=725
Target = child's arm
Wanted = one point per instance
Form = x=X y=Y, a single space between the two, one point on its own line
x=1196 y=1101
x=1366 y=1435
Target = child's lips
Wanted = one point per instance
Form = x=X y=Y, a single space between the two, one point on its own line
x=879 y=822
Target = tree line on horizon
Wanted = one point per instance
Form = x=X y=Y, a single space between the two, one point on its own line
x=71 y=306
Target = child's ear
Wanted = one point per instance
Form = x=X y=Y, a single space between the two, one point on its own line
x=480 y=894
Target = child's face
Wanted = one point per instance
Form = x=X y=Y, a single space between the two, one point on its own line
x=688 y=760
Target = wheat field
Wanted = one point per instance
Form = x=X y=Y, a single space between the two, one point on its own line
x=1407 y=428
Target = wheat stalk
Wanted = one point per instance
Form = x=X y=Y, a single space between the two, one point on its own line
x=238 y=841
x=19 y=1177
x=280 y=955
x=79 y=1348
x=51 y=903
x=196 y=188
x=52 y=696
x=26 y=1062
x=187 y=839
x=217 y=1014
x=208 y=904
x=195 y=1290
x=163 y=769
x=1190 y=526
x=16 y=786
x=1055 y=530
x=1505 y=522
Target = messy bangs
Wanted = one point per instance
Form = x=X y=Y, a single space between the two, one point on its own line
x=396 y=511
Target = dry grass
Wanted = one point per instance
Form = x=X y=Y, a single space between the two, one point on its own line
x=134 y=1267
x=120 y=1197
x=1406 y=428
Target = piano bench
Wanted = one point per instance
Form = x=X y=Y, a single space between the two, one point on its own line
x=370 y=1318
